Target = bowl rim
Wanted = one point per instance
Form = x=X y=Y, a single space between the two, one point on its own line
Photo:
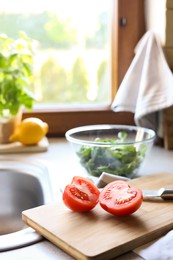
x=107 y=127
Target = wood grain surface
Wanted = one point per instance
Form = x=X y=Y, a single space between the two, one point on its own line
x=100 y=235
x=17 y=147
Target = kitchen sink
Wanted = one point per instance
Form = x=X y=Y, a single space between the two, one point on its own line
x=24 y=184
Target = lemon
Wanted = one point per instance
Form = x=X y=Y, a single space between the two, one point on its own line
x=30 y=131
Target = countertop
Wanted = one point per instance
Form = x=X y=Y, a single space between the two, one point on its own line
x=61 y=156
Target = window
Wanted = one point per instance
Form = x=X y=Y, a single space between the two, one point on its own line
x=72 y=61
x=118 y=52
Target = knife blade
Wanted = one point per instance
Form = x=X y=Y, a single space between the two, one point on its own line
x=106 y=178
x=163 y=193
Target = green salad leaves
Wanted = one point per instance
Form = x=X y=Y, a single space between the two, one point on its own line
x=123 y=160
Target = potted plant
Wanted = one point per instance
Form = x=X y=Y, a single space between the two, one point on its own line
x=16 y=75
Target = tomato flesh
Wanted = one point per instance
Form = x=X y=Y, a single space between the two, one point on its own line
x=81 y=195
x=118 y=198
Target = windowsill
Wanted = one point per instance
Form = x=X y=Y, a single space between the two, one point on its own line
x=61 y=121
x=70 y=107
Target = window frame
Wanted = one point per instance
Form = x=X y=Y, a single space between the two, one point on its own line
x=128 y=27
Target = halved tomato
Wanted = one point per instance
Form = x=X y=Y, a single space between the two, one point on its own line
x=81 y=195
x=118 y=198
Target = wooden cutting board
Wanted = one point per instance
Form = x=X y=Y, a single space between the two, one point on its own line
x=17 y=147
x=100 y=235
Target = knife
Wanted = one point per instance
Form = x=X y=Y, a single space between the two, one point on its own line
x=163 y=193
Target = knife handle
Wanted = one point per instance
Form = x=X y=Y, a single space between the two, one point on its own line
x=166 y=193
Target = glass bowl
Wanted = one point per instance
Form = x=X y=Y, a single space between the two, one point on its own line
x=115 y=149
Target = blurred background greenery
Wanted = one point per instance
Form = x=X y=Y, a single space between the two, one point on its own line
x=63 y=74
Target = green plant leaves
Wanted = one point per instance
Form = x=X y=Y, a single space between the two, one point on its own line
x=16 y=70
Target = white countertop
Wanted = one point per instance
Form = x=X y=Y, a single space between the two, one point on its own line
x=65 y=165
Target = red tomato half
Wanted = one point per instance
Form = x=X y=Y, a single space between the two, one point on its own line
x=81 y=195
x=118 y=198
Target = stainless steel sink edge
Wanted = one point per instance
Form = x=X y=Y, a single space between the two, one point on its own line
x=36 y=168
x=19 y=239
x=41 y=170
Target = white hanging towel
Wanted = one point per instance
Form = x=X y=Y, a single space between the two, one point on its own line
x=147 y=87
